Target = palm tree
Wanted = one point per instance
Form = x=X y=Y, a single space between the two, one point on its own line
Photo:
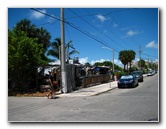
x=43 y=36
x=126 y=57
x=123 y=57
x=56 y=47
x=131 y=57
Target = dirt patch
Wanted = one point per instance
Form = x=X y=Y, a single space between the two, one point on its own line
x=34 y=94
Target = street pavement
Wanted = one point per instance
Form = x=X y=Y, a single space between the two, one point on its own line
x=133 y=104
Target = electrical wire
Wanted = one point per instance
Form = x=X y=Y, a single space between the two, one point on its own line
x=96 y=29
x=93 y=14
x=83 y=31
x=77 y=28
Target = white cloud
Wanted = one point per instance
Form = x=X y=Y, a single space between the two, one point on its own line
x=125 y=28
x=51 y=20
x=101 y=60
x=156 y=60
x=57 y=62
x=83 y=60
x=115 y=25
x=152 y=44
x=118 y=62
x=101 y=17
x=131 y=33
x=37 y=15
x=136 y=59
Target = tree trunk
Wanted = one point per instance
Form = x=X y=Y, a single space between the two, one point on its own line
x=124 y=68
x=130 y=67
x=127 y=68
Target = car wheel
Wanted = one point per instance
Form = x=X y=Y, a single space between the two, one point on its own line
x=137 y=83
x=133 y=86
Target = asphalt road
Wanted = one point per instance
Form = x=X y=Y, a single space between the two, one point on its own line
x=138 y=104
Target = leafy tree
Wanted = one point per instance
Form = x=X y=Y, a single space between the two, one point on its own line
x=24 y=55
x=26 y=26
x=42 y=35
x=141 y=63
x=56 y=47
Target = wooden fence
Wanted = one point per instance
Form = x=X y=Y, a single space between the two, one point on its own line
x=95 y=79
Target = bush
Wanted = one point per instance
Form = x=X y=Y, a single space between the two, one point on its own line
x=119 y=74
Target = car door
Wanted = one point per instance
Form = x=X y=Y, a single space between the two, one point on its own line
x=135 y=80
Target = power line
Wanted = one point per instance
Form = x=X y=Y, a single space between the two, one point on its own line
x=149 y=55
x=79 y=29
x=91 y=36
x=120 y=11
x=82 y=31
x=124 y=34
x=96 y=28
x=116 y=34
x=47 y=23
x=93 y=14
x=47 y=14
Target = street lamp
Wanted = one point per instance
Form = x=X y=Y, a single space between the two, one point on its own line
x=112 y=57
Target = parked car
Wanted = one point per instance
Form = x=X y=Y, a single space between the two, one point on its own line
x=139 y=75
x=128 y=80
x=151 y=73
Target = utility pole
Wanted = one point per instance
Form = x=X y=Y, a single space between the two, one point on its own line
x=63 y=61
x=112 y=58
x=140 y=51
x=148 y=63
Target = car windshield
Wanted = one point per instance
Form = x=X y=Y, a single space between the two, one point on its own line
x=127 y=77
x=138 y=73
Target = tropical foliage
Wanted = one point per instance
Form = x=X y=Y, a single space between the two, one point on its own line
x=24 y=55
x=56 y=48
x=126 y=56
x=42 y=35
x=27 y=45
x=141 y=63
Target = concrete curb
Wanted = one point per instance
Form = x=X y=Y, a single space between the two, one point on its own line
x=104 y=91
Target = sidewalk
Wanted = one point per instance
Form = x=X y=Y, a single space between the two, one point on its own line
x=91 y=91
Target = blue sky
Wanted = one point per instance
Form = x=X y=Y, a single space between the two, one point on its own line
x=116 y=28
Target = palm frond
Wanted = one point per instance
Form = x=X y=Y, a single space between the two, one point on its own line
x=73 y=52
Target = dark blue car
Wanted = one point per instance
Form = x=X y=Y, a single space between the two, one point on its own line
x=139 y=75
x=127 y=80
